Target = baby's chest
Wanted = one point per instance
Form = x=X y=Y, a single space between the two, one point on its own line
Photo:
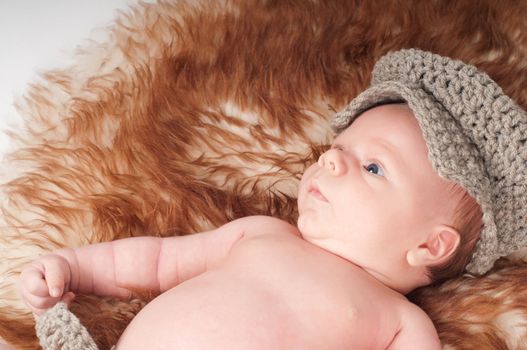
x=318 y=297
x=269 y=295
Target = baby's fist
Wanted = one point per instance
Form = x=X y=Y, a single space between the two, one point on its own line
x=45 y=282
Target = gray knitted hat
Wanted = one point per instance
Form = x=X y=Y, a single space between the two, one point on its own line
x=475 y=136
x=59 y=329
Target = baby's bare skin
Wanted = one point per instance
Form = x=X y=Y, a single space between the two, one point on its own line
x=373 y=216
x=273 y=291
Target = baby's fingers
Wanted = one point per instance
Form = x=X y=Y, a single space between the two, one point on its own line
x=67 y=298
x=56 y=278
x=38 y=304
x=33 y=282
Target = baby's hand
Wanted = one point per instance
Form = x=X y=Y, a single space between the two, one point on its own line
x=45 y=282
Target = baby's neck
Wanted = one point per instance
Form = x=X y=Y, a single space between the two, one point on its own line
x=403 y=285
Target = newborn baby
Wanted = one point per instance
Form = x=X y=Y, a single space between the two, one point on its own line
x=373 y=214
x=408 y=194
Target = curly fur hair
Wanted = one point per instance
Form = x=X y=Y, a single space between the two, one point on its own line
x=194 y=113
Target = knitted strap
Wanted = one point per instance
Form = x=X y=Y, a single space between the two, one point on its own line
x=59 y=329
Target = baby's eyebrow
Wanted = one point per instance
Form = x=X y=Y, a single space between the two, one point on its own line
x=388 y=148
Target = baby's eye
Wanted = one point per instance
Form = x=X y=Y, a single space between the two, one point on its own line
x=374 y=169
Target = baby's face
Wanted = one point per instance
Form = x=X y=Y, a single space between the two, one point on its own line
x=374 y=194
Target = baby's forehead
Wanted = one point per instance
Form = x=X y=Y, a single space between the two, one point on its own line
x=393 y=122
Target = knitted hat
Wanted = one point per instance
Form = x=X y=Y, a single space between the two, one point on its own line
x=475 y=136
x=59 y=329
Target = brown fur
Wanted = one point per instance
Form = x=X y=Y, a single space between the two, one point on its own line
x=193 y=114
x=488 y=312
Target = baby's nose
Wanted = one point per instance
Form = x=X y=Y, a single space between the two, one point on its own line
x=333 y=162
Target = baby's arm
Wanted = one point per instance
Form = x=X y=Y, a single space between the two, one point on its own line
x=155 y=264
x=115 y=268
x=417 y=332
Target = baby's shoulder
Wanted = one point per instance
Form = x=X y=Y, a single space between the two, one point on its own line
x=411 y=312
x=416 y=330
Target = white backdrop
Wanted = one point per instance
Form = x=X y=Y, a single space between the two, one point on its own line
x=37 y=35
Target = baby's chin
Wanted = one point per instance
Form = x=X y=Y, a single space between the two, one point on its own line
x=302 y=224
x=308 y=227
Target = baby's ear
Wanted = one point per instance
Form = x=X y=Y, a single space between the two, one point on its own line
x=439 y=246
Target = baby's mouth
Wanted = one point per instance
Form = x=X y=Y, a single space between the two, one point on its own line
x=314 y=190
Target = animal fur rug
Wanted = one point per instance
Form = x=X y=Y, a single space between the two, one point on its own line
x=195 y=113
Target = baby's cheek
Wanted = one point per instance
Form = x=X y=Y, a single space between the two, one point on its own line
x=309 y=171
x=302 y=190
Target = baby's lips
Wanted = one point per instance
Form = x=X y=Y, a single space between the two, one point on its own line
x=315 y=191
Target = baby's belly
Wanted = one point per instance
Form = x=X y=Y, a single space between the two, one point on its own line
x=209 y=313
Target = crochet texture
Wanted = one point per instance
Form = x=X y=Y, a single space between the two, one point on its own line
x=475 y=136
x=58 y=329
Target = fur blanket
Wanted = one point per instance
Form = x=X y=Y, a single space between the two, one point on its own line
x=194 y=113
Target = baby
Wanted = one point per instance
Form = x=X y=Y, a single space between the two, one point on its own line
x=406 y=196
